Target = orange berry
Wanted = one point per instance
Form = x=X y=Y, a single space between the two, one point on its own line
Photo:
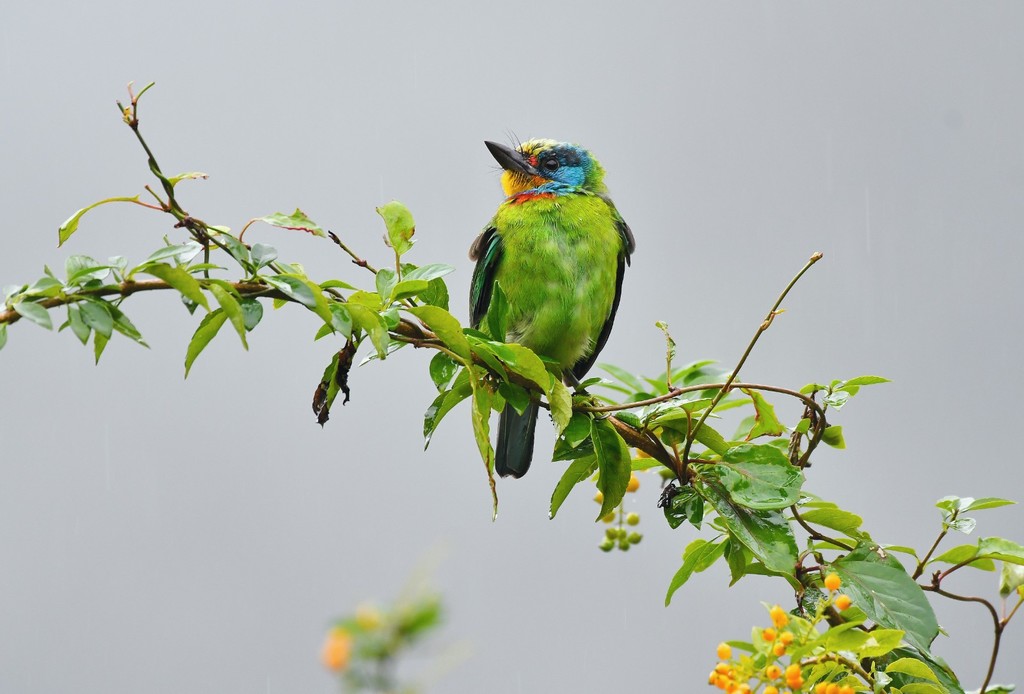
x=724 y=651
x=337 y=650
x=792 y=670
x=779 y=648
x=843 y=602
x=786 y=638
x=634 y=483
x=820 y=687
x=832 y=581
x=846 y=689
x=743 y=689
x=795 y=683
x=771 y=690
x=722 y=681
x=768 y=634
x=779 y=616
x=722 y=668
x=712 y=677
x=833 y=688
x=773 y=672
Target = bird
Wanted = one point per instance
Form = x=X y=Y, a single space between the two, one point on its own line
x=558 y=249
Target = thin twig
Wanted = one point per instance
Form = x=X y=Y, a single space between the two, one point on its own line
x=765 y=324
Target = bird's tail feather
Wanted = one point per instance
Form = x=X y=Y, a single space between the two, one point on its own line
x=515 y=441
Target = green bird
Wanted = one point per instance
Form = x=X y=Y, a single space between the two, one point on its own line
x=558 y=248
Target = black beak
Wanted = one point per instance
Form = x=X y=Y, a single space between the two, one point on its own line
x=510 y=159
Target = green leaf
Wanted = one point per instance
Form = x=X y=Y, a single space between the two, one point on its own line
x=407 y=288
x=71 y=225
x=577 y=430
x=446 y=327
x=341 y=319
x=577 y=471
x=400 y=226
x=998 y=548
x=1010 y=579
x=206 y=331
x=442 y=370
x=865 y=381
x=482 y=400
x=35 y=313
x=335 y=284
x=99 y=343
x=765 y=533
x=238 y=251
x=758 y=477
x=97 y=315
x=384 y=282
x=297 y=221
x=123 y=325
x=181 y=280
x=986 y=502
x=866 y=644
x=962 y=553
x=372 y=324
x=912 y=667
x=444 y=403
x=181 y=253
x=78 y=326
x=263 y=255
x=888 y=595
x=428 y=272
x=613 y=465
x=833 y=436
x=231 y=308
x=46 y=287
x=836 y=519
x=766 y=423
x=699 y=555
x=252 y=313
x=436 y=294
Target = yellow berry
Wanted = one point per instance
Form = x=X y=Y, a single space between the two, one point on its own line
x=712 y=677
x=768 y=634
x=599 y=498
x=779 y=649
x=832 y=582
x=722 y=668
x=337 y=650
x=832 y=689
x=610 y=518
x=779 y=616
x=634 y=483
x=773 y=672
x=792 y=670
x=843 y=602
x=786 y=637
x=632 y=518
x=820 y=687
x=771 y=690
x=724 y=651
x=846 y=689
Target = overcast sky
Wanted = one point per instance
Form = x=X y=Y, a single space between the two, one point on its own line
x=161 y=535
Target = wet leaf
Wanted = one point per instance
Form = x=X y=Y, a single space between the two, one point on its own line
x=231 y=308
x=766 y=423
x=400 y=226
x=206 y=331
x=181 y=280
x=758 y=477
x=613 y=465
x=252 y=313
x=446 y=327
x=35 y=313
x=699 y=555
x=577 y=471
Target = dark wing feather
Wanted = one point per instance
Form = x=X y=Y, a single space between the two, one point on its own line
x=581 y=367
x=487 y=252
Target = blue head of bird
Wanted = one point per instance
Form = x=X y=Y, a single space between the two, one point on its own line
x=547 y=165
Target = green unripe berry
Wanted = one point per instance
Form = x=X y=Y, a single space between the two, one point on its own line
x=634 y=538
x=607 y=546
x=624 y=545
x=633 y=518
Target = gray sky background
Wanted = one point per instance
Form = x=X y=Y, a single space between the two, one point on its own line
x=161 y=535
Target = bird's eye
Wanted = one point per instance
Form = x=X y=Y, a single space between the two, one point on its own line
x=550 y=164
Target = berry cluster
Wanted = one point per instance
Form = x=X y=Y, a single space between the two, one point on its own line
x=765 y=670
x=619 y=535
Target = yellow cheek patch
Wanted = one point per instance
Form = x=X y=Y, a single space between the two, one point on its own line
x=513 y=182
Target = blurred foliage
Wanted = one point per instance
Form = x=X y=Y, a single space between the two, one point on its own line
x=745 y=491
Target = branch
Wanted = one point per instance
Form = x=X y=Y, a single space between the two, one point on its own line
x=127 y=288
x=998 y=625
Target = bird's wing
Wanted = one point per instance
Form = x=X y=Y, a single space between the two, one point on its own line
x=581 y=367
x=487 y=252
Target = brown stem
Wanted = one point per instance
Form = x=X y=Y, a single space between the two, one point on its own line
x=355 y=258
x=814 y=533
x=935 y=545
x=998 y=625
